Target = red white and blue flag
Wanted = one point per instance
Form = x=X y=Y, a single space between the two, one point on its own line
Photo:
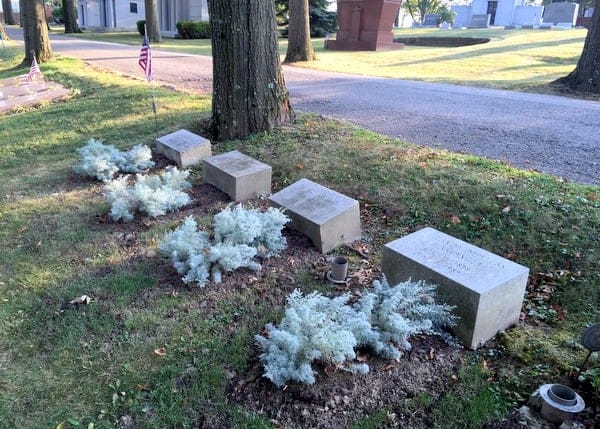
x=145 y=60
x=34 y=70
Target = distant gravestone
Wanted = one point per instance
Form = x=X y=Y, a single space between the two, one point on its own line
x=329 y=218
x=238 y=175
x=184 y=147
x=431 y=20
x=563 y=13
x=486 y=289
x=480 y=21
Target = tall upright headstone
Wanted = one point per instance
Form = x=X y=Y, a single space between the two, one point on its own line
x=365 y=25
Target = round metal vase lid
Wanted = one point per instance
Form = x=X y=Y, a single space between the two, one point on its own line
x=591 y=338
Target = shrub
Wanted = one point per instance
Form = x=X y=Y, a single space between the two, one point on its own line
x=141 y=27
x=193 y=29
x=240 y=235
x=329 y=329
x=154 y=195
x=104 y=161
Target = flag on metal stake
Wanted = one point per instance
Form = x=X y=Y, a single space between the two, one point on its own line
x=33 y=70
x=145 y=60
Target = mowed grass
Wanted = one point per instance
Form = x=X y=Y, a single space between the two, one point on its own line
x=523 y=60
x=152 y=353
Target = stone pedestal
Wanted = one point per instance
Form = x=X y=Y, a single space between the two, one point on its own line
x=238 y=175
x=329 y=218
x=487 y=290
x=365 y=25
x=184 y=147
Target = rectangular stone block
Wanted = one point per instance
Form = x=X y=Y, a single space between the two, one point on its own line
x=184 y=147
x=329 y=218
x=238 y=175
x=486 y=289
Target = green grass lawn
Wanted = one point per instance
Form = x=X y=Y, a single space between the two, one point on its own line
x=149 y=350
x=524 y=60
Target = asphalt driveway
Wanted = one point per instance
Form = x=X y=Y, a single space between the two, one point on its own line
x=556 y=135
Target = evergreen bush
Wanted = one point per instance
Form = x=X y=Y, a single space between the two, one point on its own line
x=239 y=236
x=104 y=161
x=154 y=195
x=330 y=329
x=193 y=29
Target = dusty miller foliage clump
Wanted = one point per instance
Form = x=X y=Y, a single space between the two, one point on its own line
x=239 y=236
x=330 y=329
x=154 y=195
x=104 y=161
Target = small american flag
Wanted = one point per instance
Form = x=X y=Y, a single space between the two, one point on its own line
x=145 y=60
x=33 y=70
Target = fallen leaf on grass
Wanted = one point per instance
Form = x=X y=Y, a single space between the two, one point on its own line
x=592 y=196
x=160 y=352
x=506 y=209
x=454 y=219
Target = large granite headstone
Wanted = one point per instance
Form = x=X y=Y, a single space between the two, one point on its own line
x=486 y=289
x=431 y=20
x=238 y=175
x=480 y=21
x=184 y=147
x=365 y=25
x=562 y=13
x=329 y=218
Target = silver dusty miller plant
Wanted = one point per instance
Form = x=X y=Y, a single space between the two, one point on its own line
x=239 y=236
x=330 y=329
x=104 y=161
x=154 y=195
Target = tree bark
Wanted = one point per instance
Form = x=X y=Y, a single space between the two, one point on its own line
x=586 y=76
x=249 y=93
x=9 y=18
x=70 y=17
x=152 y=25
x=299 y=44
x=35 y=31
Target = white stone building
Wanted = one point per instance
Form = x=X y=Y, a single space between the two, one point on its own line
x=123 y=14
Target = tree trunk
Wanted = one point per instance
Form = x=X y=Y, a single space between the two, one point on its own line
x=9 y=18
x=586 y=76
x=152 y=26
x=249 y=93
x=70 y=17
x=35 y=31
x=299 y=44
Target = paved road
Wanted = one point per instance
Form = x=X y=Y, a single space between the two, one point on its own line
x=557 y=135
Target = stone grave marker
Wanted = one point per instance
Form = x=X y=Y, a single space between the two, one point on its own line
x=563 y=13
x=16 y=93
x=431 y=20
x=238 y=175
x=329 y=218
x=486 y=289
x=184 y=147
x=480 y=21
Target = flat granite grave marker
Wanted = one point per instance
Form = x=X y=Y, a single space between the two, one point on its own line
x=329 y=218
x=184 y=147
x=486 y=289
x=238 y=175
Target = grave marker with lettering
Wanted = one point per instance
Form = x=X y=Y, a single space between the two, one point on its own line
x=486 y=289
